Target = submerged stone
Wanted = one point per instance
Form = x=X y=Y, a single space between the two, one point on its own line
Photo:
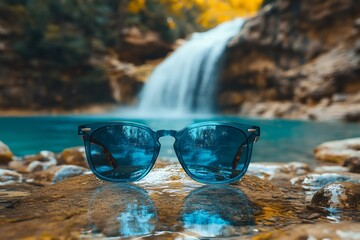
x=5 y=153
x=343 y=195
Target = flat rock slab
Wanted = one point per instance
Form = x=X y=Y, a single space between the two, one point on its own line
x=166 y=204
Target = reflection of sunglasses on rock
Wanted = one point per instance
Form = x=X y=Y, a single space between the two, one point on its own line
x=209 y=152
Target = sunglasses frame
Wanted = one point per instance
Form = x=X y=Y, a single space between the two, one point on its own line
x=251 y=132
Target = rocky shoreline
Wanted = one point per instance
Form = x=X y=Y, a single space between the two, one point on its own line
x=55 y=196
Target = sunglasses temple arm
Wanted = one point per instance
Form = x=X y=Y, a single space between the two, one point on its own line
x=107 y=153
x=237 y=157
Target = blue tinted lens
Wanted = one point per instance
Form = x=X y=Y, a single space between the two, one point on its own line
x=122 y=153
x=214 y=153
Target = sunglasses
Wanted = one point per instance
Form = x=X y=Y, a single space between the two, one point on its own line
x=209 y=152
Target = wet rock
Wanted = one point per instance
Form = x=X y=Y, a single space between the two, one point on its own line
x=338 y=151
x=315 y=181
x=85 y=207
x=340 y=231
x=57 y=173
x=73 y=156
x=313 y=216
x=34 y=163
x=353 y=164
x=5 y=153
x=343 y=195
x=278 y=170
x=331 y=169
x=8 y=177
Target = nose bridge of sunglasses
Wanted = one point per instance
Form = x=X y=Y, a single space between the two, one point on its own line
x=163 y=133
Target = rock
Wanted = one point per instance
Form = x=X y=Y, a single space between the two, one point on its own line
x=331 y=169
x=353 y=164
x=57 y=173
x=8 y=177
x=338 y=151
x=5 y=153
x=343 y=195
x=126 y=79
x=34 y=163
x=137 y=47
x=85 y=207
x=339 y=231
x=352 y=116
x=276 y=170
x=337 y=111
x=314 y=216
x=73 y=156
x=277 y=58
x=315 y=181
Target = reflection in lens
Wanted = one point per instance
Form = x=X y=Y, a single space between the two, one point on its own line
x=121 y=210
x=217 y=211
x=214 y=153
x=121 y=152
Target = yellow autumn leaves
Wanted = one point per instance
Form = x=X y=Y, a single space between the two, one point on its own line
x=218 y=11
x=135 y=6
x=211 y=12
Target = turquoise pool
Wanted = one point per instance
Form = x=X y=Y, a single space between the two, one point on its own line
x=281 y=140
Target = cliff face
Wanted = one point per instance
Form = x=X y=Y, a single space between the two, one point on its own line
x=296 y=59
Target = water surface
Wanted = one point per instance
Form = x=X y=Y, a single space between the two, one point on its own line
x=280 y=141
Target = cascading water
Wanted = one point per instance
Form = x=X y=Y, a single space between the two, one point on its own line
x=186 y=81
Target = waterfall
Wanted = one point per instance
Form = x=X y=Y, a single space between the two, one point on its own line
x=186 y=81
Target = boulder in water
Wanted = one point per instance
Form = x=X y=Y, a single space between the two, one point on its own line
x=338 y=151
x=5 y=153
x=73 y=156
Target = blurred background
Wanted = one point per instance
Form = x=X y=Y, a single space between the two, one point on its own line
x=294 y=59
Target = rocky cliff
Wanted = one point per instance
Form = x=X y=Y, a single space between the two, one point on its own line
x=296 y=59
x=70 y=54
